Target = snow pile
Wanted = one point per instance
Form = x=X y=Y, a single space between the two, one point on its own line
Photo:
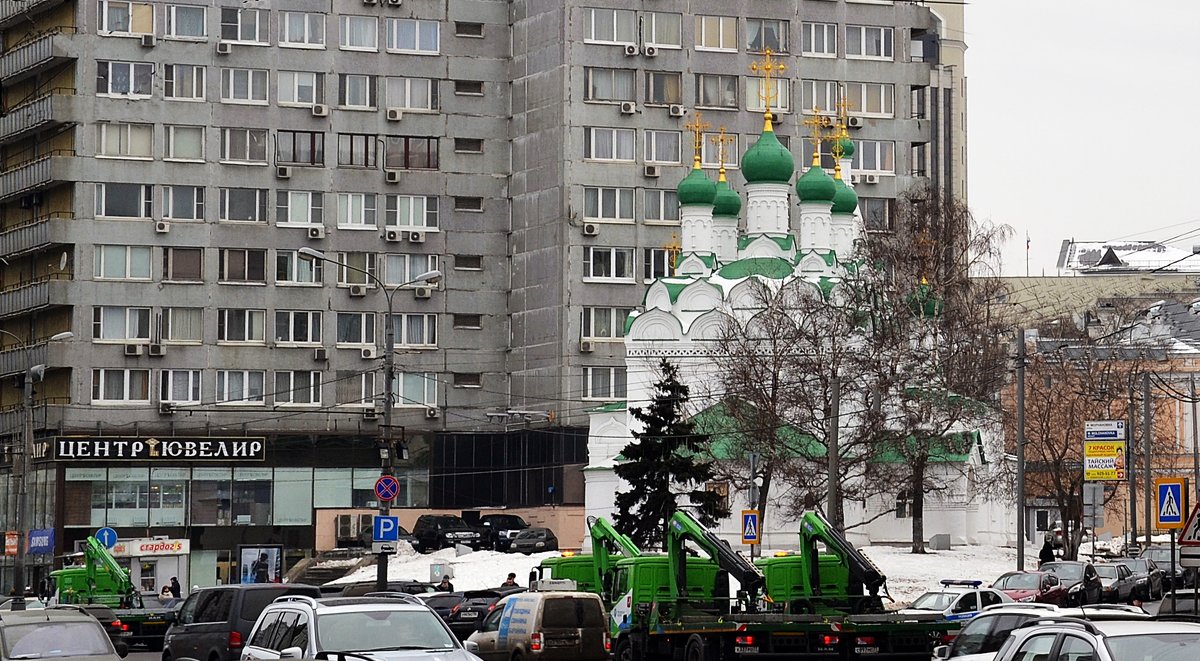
x=471 y=571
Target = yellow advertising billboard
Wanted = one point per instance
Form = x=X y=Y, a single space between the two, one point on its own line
x=1103 y=460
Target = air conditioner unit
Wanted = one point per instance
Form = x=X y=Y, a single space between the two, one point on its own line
x=320 y=110
x=166 y=408
x=675 y=110
x=133 y=349
x=631 y=49
x=432 y=413
x=395 y=114
x=416 y=237
x=316 y=232
x=370 y=353
x=370 y=2
x=591 y=229
x=587 y=346
x=162 y=226
x=358 y=290
x=855 y=179
x=628 y=107
x=320 y=354
x=283 y=172
x=651 y=51
x=391 y=176
x=345 y=526
x=652 y=171
x=394 y=3
x=393 y=236
x=870 y=178
x=149 y=41
x=156 y=350
x=224 y=48
x=856 y=122
x=423 y=292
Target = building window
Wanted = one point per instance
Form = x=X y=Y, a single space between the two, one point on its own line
x=300 y=148
x=716 y=33
x=415 y=330
x=468 y=380
x=874 y=156
x=357 y=328
x=877 y=213
x=609 y=204
x=764 y=33
x=716 y=91
x=183 y=264
x=244 y=205
x=240 y=386
x=610 y=26
x=355 y=389
x=244 y=146
x=904 y=504
x=468 y=321
x=416 y=389
x=615 y=264
x=122 y=263
x=1041 y=520
x=403 y=269
x=468 y=145
x=356 y=91
x=242 y=266
x=605 y=144
x=183 y=202
x=184 y=143
x=711 y=153
x=826 y=153
x=247 y=26
x=124 y=200
x=179 y=386
x=781 y=99
x=468 y=87
x=295 y=207
x=244 y=86
x=300 y=388
x=183 y=325
x=187 y=22
x=662 y=206
x=352 y=266
x=118 y=324
x=298 y=326
x=356 y=150
x=356 y=210
x=419 y=94
x=663 y=88
x=662 y=146
x=819 y=39
x=410 y=153
x=237 y=325
x=874 y=99
x=419 y=211
x=292 y=268
x=117 y=140
x=302 y=30
x=867 y=42
x=360 y=33
x=662 y=29
x=468 y=262
x=464 y=29
x=117 y=385
x=127 y=79
x=608 y=84
x=406 y=35
x=467 y=203
x=300 y=88
x=657 y=263
x=604 y=383
x=183 y=82
x=126 y=18
x=604 y=323
x=821 y=95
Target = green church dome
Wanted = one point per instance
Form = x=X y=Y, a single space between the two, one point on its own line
x=847 y=146
x=845 y=200
x=816 y=185
x=768 y=161
x=726 y=202
x=696 y=188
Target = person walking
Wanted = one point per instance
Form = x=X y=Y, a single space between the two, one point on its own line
x=176 y=589
x=1047 y=553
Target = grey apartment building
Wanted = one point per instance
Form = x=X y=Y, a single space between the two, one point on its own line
x=164 y=162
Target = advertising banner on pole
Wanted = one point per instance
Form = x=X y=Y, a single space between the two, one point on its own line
x=1103 y=460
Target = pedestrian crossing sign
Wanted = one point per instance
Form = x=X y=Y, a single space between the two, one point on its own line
x=1169 y=513
x=750 y=531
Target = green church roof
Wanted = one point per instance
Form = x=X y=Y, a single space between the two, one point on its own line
x=924 y=303
x=847 y=146
x=726 y=202
x=768 y=161
x=845 y=200
x=816 y=185
x=785 y=241
x=696 y=188
x=768 y=267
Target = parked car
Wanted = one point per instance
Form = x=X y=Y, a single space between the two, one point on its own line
x=982 y=637
x=117 y=630
x=499 y=530
x=213 y=623
x=1176 y=575
x=442 y=602
x=1148 y=577
x=957 y=599
x=389 y=628
x=57 y=634
x=439 y=531
x=1079 y=578
x=1036 y=586
x=1118 y=586
x=1182 y=601
x=571 y=626
x=1076 y=639
x=407 y=586
x=464 y=616
x=535 y=540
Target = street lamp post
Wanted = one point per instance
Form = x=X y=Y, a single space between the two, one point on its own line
x=21 y=468
x=389 y=376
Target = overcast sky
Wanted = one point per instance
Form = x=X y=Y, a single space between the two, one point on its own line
x=1083 y=121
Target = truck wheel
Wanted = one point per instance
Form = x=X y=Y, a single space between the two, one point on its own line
x=699 y=650
x=625 y=650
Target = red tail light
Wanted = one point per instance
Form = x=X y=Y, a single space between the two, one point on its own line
x=535 y=641
x=744 y=640
x=607 y=642
x=235 y=639
x=828 y=640
x=117 y=624
x=456 y=608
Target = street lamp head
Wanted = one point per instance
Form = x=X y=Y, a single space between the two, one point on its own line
x=59 y=337
x=311 y=252
x=431 y=277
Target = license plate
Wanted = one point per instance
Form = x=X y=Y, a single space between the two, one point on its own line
x=746 y=650
x=867 y=650
x=470 y=614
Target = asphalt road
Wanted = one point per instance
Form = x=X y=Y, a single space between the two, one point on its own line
x=142 y=655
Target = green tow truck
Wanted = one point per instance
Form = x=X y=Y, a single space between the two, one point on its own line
x=102 y=580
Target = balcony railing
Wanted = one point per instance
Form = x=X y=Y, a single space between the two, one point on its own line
x=12 y=11
x=32 y=57
x=24 y=297
x=31 y=175
x=19 y=359
x=38 y=113
x=33 y=235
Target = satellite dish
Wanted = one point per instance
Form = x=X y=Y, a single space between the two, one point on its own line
x=62 y=261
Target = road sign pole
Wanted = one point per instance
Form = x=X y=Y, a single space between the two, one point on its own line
x=1172 y=562
x=1147 y=434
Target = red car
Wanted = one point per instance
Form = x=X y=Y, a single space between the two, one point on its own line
x=1042 y=587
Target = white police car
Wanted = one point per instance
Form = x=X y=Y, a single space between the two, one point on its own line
x=958 y=600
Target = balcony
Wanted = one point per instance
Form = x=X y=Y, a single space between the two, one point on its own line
x=33 y=57
x=32 y=176
x=43 y=112
x=41 y=293
x=20 y=358
x=34 y=235
x=14 y=11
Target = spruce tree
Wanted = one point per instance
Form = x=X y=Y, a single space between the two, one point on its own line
x=664 y=462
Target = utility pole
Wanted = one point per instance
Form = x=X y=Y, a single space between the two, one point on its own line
x=834 y=497
x=20 y=472
x=1131 y=466
x=1195 y=444
x=1021 y=449
x=1147 y=434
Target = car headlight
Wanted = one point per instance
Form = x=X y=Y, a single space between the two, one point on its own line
x=1027 y=599
x=1076 y=587
x=1142 y=581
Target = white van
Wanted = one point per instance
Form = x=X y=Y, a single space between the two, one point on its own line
x=550 y=626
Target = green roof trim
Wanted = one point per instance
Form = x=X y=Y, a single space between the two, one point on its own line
x=826 y=286
x=674 y=289
x=707 y=258
x=951 y=448
x=727 y=438
x=611 y=407
x=785 y=241
x=775 y=268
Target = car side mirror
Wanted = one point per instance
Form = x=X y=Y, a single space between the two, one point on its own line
x=941 y=652
x=471 y=646
x=291 y=653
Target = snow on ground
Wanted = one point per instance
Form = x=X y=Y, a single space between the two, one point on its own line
x=471 y=571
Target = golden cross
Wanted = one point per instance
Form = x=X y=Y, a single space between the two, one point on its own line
x=697 y=127
x=720 y=140
x=673 y=248
x=815 y=123
x=769 y=68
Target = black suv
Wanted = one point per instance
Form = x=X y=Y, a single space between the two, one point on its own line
x=499 y=530
x=439 y=531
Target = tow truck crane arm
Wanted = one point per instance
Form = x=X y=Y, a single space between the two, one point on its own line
x=683 y=527
x=815 y=527
x=606 y=541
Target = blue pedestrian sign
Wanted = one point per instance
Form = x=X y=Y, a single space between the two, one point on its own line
x=107 y=537
x=387 y=488
x=750 y=531
x=386 y=529
x=1169 y=513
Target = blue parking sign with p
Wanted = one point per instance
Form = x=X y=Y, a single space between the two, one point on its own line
x=386 y=529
